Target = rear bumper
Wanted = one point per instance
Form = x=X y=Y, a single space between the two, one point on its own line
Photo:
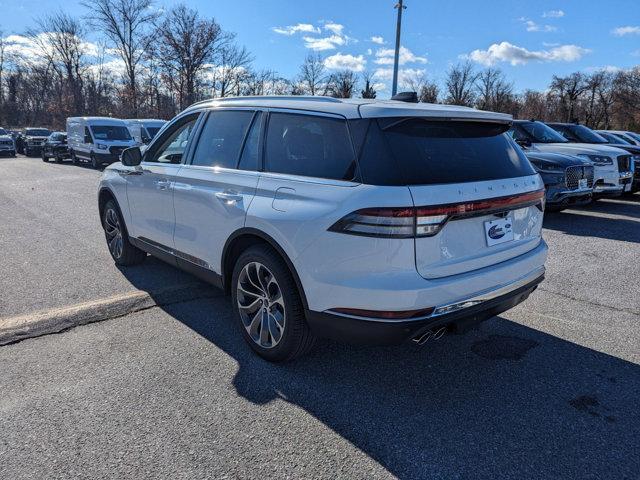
x=458 y=317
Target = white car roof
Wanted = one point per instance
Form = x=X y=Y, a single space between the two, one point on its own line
x=145 y=120
x=357 y=108
x=98 y=120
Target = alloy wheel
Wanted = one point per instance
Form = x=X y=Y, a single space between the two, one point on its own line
x=113 y=232
x=261 y=305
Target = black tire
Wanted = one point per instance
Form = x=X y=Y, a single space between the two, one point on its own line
x=27 y=152
x=94 y=162
x=44 y=157
x=74 y=159
x=58 y=159
x=127 y=254
x=296 y=338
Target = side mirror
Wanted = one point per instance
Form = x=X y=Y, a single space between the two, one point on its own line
x=131 y=157
x=524 y=143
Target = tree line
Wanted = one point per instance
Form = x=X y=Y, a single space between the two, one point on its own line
x=167 y=60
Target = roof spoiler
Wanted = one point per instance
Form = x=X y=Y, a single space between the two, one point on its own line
x=408 y=97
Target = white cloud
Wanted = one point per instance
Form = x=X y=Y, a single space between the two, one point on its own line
x=377 y=39
x=628 y=30
x=404 y=74
x=369 y=51
x=507 y=52
x=324 y=43
x=532 y=26
x=553 y=14
x=635 y=53
x=300 y=27
x=350 y=62
x=23 y=49
x=336 y=28
x=384 y=56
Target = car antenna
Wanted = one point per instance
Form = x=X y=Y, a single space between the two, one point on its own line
x=408 y=97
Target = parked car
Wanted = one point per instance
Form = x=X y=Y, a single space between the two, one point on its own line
x=7 y=144
x=631 y=137
x=634 y=150
x=143 y=130
x=56 y=147
x=371 y=221
x=536 y=136
x=34 y=138
x=97 y=140
x=568 y=180
x=576 y=133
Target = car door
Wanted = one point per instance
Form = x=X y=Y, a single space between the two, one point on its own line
x=214 y=190
x=150 y=186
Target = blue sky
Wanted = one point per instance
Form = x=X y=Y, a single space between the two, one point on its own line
x=530 y=40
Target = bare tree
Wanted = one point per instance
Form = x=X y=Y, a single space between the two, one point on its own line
x=533 y=105
x=60 y=38
x=232 y=66
x=368 y=91
x=342 y=84
x=2 y=60
x=567 y=91
x=459 y=84
x=185 y=45
x=494 y=91
x=426 y=90
x=126 y=23
x=313 y=74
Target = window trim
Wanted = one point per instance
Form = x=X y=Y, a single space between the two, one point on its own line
x=357 y=177
x=156 y=143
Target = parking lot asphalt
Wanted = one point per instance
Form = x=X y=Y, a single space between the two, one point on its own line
x=546 y=390
x=52 y=244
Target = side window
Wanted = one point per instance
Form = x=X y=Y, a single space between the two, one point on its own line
x=566 y=133
x=87 y=135
x=518 y=134
x=221 y=138
x=309 y=145
x=250 y=158
x=174 y=143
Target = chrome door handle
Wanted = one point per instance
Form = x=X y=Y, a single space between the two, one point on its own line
x=229 y=198
x=163 y=184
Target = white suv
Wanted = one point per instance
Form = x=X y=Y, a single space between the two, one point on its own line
x=369 y=221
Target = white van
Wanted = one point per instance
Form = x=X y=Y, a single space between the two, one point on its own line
x=97 y=140
x=144 y=129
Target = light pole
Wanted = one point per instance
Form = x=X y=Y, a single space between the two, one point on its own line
x=400 y=6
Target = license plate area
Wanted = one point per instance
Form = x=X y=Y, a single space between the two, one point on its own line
x=498 y=231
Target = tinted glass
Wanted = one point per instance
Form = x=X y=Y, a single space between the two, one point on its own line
x=613 y=139
x=153 y=131
x=541 y=133
x=110 y=132
x=3 y=131
x=37 y=132
x=580 y=133
x=174 y=142
x=250 y=159
x=429 y=152
x=221 y=138
x=309 y=145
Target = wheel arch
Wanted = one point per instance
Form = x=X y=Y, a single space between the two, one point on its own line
x=244 y=238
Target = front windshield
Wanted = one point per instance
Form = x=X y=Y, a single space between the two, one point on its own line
x=635 y=136
x=541 y=133
x=153 y=131
x=613 y=139
x=586 y=135
x=110 y=132
x=37 y=132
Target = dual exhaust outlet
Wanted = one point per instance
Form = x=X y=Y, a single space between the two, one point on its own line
x=423 y=338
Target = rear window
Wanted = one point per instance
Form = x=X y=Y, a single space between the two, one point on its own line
x=309 y=145
x=422 y=152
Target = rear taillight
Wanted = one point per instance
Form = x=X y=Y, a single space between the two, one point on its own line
x=411 y=222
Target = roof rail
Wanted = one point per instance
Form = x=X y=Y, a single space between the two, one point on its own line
x=307 y=98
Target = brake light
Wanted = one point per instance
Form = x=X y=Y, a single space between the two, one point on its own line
x=411 y=222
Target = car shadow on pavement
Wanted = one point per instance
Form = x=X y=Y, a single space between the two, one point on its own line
x=623 y=206
x=586 y=225
x=503 y=401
